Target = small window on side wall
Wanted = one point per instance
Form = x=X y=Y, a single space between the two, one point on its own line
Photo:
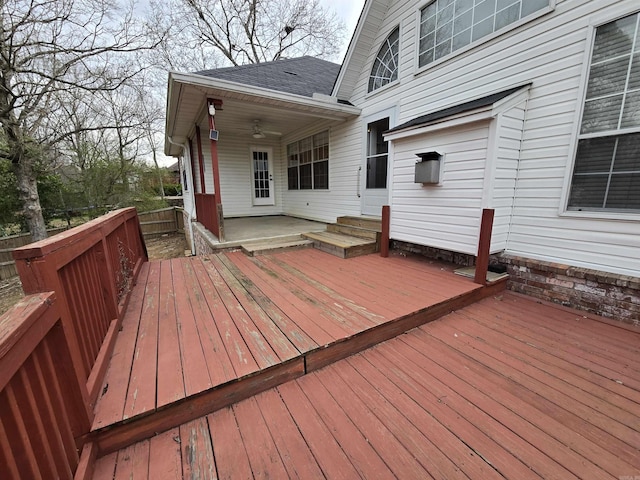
x=385 y=66
x=606 y=173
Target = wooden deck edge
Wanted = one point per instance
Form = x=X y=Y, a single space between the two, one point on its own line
x=127 y=432
x=113 y=437
x=346 y=347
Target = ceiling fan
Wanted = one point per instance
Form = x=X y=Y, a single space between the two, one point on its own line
x=258 y=132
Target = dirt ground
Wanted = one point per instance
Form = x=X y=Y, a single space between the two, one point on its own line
x=158 y=248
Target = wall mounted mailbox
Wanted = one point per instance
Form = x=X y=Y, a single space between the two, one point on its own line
x=428 y=168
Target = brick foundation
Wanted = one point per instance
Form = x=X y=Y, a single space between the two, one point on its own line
x=187 y=230
x=203 y=239
x=605 y=294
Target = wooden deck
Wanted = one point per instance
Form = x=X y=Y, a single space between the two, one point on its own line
x=201 y=333
x=507 y=388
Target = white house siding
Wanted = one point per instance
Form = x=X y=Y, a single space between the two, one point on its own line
x=550 y=52
x=447 y=215
x=236 y=183
x=500 y=183
x=341 y=198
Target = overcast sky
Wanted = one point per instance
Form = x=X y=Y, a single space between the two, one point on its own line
x=349 y=11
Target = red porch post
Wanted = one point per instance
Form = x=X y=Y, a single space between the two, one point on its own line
x=484 y=245
x=212 y=106
x=203 y=187
x=384 y=237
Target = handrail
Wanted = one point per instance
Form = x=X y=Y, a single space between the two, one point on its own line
x=91 y=268
x=43 y=411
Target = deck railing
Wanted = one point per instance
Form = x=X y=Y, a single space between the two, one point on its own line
x=43 y=409
x=92 y=269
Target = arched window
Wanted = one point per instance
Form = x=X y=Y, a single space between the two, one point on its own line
x=385 y=68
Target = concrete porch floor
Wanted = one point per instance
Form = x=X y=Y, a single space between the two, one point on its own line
x=255 y=228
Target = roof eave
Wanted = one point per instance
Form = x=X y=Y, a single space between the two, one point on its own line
x=322 y=105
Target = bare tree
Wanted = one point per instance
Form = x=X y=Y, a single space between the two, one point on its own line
x=51 y=47
x=253 y=31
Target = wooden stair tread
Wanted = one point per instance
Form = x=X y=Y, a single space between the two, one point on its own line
x=369 y=223
x=339 y=239
x=252 y=249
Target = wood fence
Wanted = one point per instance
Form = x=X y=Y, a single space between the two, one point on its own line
x=9 y=244
x=158 y=222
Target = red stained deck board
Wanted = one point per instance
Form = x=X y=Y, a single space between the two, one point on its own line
x=541 y=365
x=471 y=421
x=231 y=455
x=460 y=459
x=605 y=354
x=133 y=462
x=194 y=364
x=105 y=467
x=141 y=394
x=565 y=368
x=401 y=461
x=170 y=380
x=263 y=455
x=261 y=350
x=332 y=305
x=268 y=329
x=325 y=449
x=360 y=289
x=262 y=293
x=218 y=362
x=110 y=405
x=297 y=458
x=165 y=461
x=419 y=281
x=197 y=452
x=557 y=424
x=354 y=444
x=535 y=381
x=239 y=353
x=299 y=312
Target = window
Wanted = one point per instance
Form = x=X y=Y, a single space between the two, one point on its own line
x=606 y=174
x=377 y=154
x=385 y=67
x=308 y=163
x=448 y=25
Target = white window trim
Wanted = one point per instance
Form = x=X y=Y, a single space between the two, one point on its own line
x=393 y=82
x=595 y=21
x=461 y=51
x=286 y=164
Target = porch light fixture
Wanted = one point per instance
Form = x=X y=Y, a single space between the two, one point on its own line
x=212 y=109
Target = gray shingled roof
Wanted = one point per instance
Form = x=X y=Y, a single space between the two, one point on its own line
x=301 y=76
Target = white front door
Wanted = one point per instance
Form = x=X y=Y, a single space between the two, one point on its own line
x=262 y=176
x=375 y=169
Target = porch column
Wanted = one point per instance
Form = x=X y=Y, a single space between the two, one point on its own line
x=212 y=106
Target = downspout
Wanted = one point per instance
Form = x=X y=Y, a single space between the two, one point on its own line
x=191 y=211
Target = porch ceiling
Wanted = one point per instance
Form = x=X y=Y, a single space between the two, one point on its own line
x=242 y=105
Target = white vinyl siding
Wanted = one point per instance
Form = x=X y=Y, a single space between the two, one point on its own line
x=445 y=216
x=551 y=52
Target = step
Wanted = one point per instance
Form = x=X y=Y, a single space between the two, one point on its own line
x=340 y=245
x=370 y=223
x=353 y=231
x=275 y=246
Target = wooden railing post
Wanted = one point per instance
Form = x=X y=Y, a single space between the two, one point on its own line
x=384 y=240
x=484 y=246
